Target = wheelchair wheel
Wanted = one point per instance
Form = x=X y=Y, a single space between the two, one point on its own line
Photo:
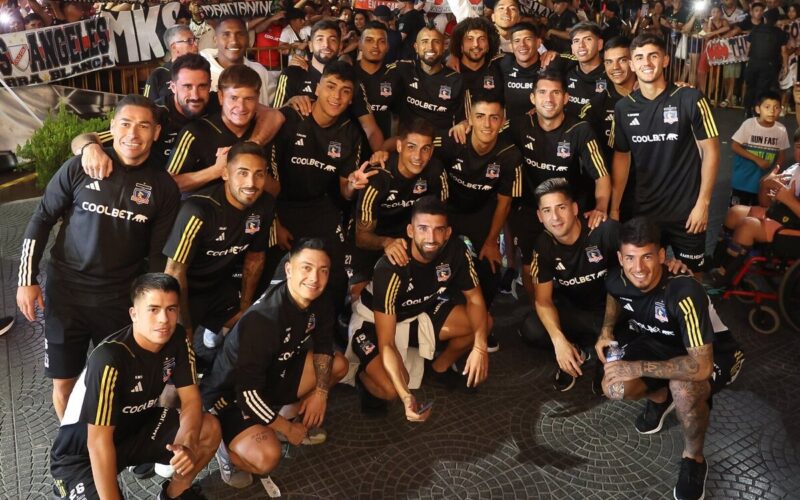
x=789 y=296
x=749 y=285
x=764 y=319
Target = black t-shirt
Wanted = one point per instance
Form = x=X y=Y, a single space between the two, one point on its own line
x=487 y=80
x=562 y=22
x=309 y=159
x=518 y=84
x=109 y=227
x=599 y=112
x=410 y=24
x=120 y=382
x=198 y=142
x=578 y=270
x=294 y=80
x=211 y=235
x=765 y=44
x=438 y=98
x=380 y=92
x=262 y=345
x=389 y=197
x=157 y=85
x=581 y=87
x=406 y=291
x=474 y=180
x=569 y=151
x=660 y=136
x=675 y=312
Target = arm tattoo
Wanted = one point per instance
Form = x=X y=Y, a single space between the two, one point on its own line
x=616 y=390
x=366 y=237
x=323 y=364
x=610 y=317
x=680 y=368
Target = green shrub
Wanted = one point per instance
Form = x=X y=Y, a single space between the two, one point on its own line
x=49 y=147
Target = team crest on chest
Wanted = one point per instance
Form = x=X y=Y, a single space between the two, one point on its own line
x=253 y=224
x=444 y=92
x=421 y=186
x=312 y=322
x=386 y=89
x=167 y=368
x=335 y=149
x=493 y=171
x=488 y=82
x=600 y=85
x=563 y=149
x=442 y=272
x=670 y=115
x=141 y=194
x=593 y=254
x=661 y=312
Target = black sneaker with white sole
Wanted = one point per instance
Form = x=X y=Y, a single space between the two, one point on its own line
x=5 y=324
x=143 y=471
x=492 y=345
x=691 y=483
x=652 y=417
x=563 y=381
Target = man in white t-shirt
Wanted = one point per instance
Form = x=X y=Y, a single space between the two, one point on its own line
x=292 y=41
x=232 y=42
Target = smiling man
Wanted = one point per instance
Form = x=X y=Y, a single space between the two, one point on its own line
x=475 y=44
x=113 y=420
x=666 y=139
x=588 y=77
x=232 y=41
x=180 y=40
x=280 y=353
x=113 y=225
x=217 y=229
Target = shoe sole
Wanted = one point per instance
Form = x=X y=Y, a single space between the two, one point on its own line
x=493 y=348
x=675 y=489
x=669 y=410
x=7 y=328
x=570 y=386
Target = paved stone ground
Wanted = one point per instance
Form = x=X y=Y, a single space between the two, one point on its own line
x=516 y=438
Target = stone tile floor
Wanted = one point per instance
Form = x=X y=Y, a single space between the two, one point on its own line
x=516 y=438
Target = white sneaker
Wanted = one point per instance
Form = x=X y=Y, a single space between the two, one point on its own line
x=270 y=487
x=210 y=339
x=316 y=435
x=164 y=470
x=230 y=474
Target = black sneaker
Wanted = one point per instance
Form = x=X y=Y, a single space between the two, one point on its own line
x=691 y=483
x=370 y=405
x=193 y=493
x=492 y=345
x=5 y=324
x=652 y=417
x=563 y=381
x=507 y=281
x=143 y=471
x=447 y=380
x=597 y=379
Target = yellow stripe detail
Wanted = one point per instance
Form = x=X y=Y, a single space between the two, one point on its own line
x=611 y=134
x=391 y=294
x=597 y=158
x=106 y=396
x=472 y=273
x=445 y=195
x=280 y=92
x=104 y=136
x=187 y=238
x=192 y=364
x=535 y=268
x=691 y=321
x=366 y=204
x=708 y=119
x=179 y=155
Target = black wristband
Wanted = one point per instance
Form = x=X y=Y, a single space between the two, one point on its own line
x=84 y=147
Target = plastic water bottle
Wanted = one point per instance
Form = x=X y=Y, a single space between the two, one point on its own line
x=614 y=352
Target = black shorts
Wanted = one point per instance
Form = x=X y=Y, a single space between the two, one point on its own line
x=474 y=225
x=69 y=458
x=362 y=263
x=739 y=197
x=728 y=358
x=69 y=328
x=525 y=228
x=280 y=391
x=365 y=339
x=211 y=309
x=689 y=248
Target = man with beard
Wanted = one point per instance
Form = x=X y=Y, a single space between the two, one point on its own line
x=554 y=144
x=297 y=86
x=404 y=305
x=384 y=206
x=474 y=44
x=180 y=40
x=587 y=78
x=428 y=89
x=214 y=229
x=520 y=69
x=667 y=137
x=371 y=69
x=232 y=41
x=190 y=99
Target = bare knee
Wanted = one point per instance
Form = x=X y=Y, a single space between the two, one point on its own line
x=261 y=454
x=210 y=431
x=340 y=367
